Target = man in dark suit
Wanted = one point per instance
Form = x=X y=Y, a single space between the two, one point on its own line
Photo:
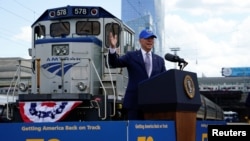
x=135 y=62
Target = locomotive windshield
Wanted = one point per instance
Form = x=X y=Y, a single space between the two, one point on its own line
x=59 y=29
x=88 y=28
x=114 y=28
x=39 y=32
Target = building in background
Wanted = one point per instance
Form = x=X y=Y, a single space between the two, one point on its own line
x=228 y=92
x=145 y=14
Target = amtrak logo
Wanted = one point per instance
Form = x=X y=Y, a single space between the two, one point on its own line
x=56 y=68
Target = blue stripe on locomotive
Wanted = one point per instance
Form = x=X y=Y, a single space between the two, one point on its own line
x=77 y=39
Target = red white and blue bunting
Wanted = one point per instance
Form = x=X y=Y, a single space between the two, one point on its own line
x=46 y=111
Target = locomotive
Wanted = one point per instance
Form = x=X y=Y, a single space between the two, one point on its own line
x=71 y=79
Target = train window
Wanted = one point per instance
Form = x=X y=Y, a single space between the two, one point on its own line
x=112 y=28
x=128 y=41
x=39 y=32
x=88 y=28
x=59 y=29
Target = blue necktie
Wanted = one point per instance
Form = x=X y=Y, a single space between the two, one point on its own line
x=147 y=63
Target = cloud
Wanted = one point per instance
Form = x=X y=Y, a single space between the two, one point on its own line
x=210 y=35
x=24 y=35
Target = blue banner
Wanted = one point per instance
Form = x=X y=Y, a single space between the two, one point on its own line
x=236 y=72
x=151 y=131
x=64 y=131
x=202 y=131
x=99 y=131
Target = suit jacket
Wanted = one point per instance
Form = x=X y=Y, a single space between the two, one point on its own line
x=137 y=73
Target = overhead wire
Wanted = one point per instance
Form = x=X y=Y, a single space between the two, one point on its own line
x=26 y=8
x=5 y=32
x=21 y=17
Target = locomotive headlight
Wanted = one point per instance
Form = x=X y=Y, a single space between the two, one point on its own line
x=81 y=86
x=94 y=11
x=60 y=50
x=23 y=87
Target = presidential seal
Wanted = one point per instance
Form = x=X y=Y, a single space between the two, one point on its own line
x=189 y=86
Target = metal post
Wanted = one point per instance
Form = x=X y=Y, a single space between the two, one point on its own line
x=62 y=66
x=175 y=52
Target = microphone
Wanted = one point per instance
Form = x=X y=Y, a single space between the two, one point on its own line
x=174 y=58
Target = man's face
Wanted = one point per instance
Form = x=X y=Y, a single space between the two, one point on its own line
x=147 y=44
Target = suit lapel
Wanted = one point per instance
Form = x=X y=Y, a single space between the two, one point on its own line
x=140 y=57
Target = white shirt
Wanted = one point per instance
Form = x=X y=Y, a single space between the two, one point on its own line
x=112 y=50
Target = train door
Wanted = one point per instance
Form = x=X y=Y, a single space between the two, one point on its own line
x=125 y=43
x=110 y=75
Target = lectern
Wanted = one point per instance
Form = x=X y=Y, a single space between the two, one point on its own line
x=172 y=95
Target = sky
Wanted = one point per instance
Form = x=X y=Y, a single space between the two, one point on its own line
x=211 y=34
